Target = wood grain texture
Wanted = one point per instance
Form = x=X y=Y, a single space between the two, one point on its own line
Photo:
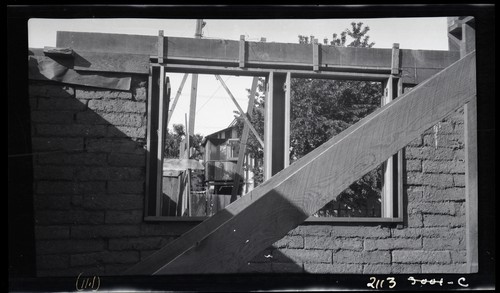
x=238 y=174
x=228 y=240
x=177 y=95
x=259 y=54
x=471 y=186
x=245 y=116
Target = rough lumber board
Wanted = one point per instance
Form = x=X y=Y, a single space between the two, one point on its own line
x=260 y=55
x=238 y=174
x=225 y=242
x=471 y=185
x=102 y=62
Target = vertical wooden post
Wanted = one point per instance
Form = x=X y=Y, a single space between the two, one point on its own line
x=243 y=142
x=242 y=51
x=471 y=181
x=151 y=144
x=163 y=111
x=194 y=83
x=388 y=166
x=392 y=177
x=315 y=46
x=471 y=185
x=161 y=42
x=177 y=95
x=288 y=96
x=275 y=132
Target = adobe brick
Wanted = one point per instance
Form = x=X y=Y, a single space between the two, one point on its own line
x=443 y=220
x=290 y=242
x=459 y=256
x=55 y=187
x=118 y=202
x=441 y=244
x=109 y=173
x=417 y=142
x=127 y=160
x=453 y=194
x=68 y=246
x=302 y=256
x=52 y=261
x=116 y=119
x=444 y=141
x=51 y=232
x=390 y=244
x=458 y=180
x=106 y=257
x=140 y=94
x=117 y=106
x=56 y=104
x=59 y=117
x=399 y=268
x=414 y=165
x=166 y=229
x=415 y=220
x=367 y=232
x=97 y=159
x=51 y=90
x=118 y=145
x=443 y=269
x=420 y=256
x=321 y=268
x=124 y=217
x=333 y=243
x=443 y=166
x=434 y=232
x=437 y=180
x=125 y=131
x=85 y=93
x=372 y=257
x=104 y=231
x=377 y=269
x=56 y=143
x=429 y=153
x=141 y=243
x=311 y=230
x=414 y=193
x=68 y=217
x=443 y=208
x=71 y=130
x=33 y=103
x=52 y=202
x=126 y=187
x=53 y=172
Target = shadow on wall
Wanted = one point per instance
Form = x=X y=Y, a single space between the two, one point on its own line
x=89 y=181
x=89 y=174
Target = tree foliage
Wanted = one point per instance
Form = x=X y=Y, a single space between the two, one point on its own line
x=174 y=139
x=321 y=109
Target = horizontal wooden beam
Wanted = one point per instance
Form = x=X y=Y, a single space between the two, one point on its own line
x=225 y=242
x=268 y=56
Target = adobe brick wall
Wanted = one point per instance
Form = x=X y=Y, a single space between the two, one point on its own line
x=432 y=239
x=89 y=177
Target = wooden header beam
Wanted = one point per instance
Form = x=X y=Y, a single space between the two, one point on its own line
x=416 y=65
x=228 y=240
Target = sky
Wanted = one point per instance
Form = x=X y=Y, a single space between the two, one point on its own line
x=214 y=109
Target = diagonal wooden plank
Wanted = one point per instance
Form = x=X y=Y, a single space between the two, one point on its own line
x=225 y=242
